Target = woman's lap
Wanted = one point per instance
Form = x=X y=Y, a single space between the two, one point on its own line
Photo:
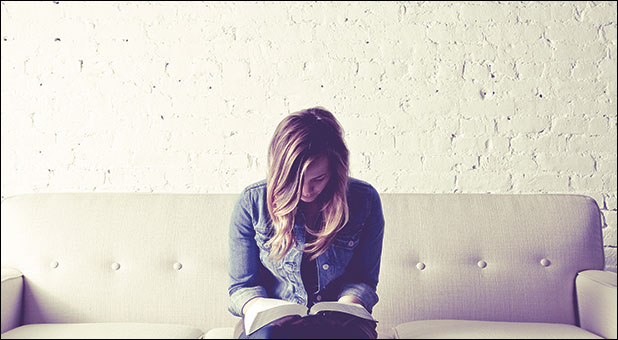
x=324 y=325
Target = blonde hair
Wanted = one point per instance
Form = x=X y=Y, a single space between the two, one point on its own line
x=301 y=138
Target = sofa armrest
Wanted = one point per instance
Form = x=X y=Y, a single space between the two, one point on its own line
x=596 y=302
x=11 y=293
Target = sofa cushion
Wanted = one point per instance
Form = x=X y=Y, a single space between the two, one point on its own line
x=12 y=292
x=596 y=299
x=465 y=329
x=500 y=257
x=117 y=257
x=220 y=333
x=103 y=331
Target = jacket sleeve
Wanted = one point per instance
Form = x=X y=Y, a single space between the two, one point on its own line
x=365 y=264
x=244 y=263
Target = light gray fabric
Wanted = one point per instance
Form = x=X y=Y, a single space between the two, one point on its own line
x=597 y=301
x=162 y=258
x=103 y=331
x=464 y=329
x=147 y=235
x=451 y=235
x=220 y=333
x=12 y=290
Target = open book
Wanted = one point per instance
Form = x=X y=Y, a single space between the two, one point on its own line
x=265 y=311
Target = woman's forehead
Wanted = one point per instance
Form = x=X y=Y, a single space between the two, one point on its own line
x=318 y=167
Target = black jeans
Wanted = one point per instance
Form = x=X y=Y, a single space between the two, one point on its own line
x=324 y=325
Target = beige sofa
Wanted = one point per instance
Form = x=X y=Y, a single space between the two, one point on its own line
x=143 y=265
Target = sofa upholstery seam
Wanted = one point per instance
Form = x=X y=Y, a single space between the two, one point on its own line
x=7 y=278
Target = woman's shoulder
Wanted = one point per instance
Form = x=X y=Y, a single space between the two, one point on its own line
x=357 y=186
x=257 y=186
x=361 y=195
x=253 y=193
x=363 y=200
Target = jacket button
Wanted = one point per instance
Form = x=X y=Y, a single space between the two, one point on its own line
x=319 y=297
x=53 y=264
x=178 y=266
x=115 y=266
x=420 y=266
x=325 y=266
x=481 y=264
x=545 y=262
x=350 y=244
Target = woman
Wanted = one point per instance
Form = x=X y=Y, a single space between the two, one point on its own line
x=308 y=233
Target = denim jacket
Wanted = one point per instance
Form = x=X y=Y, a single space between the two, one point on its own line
x=350 y=266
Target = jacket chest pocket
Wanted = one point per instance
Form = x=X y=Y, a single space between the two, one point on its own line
x=347 y=242
x=276 y=267
x=261 y=237
x=342 y=250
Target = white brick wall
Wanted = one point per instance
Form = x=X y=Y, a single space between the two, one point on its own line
x=509 y=97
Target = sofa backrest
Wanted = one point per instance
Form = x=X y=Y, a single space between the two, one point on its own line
x=486 y=257
x=137 y=257
x=108 y=257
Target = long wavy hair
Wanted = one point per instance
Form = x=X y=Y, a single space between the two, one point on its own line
x=299 y=139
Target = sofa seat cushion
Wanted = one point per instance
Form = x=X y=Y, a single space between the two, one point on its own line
x=103 y=331
x=465 y=329
x=220 y=333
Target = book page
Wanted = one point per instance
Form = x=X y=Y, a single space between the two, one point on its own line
x=266 y=310
x=344 y=307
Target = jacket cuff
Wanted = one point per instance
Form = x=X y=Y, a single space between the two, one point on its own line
x=362 y=291
x=241 y=296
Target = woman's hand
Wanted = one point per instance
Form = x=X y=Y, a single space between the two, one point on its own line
x=350 y=299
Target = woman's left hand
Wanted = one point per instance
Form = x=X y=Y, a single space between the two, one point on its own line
x=350 y=299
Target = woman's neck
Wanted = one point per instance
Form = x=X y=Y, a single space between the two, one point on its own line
x=311 y=211
x=311 y=208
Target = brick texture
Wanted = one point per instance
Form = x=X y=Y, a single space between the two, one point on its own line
x=455 y=97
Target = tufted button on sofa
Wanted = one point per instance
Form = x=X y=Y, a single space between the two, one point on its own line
x=136 y=265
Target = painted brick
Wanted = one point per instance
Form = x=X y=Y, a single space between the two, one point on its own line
x=566 y=162
x=523 y=124
x=610 y=258
x=476 y=127
x=591 y=183
x=573 y=51
x=563 y=12
x=499 y=145
x=507 y=163
x=440 y=163
x=470 y=144
x=597 y=126
x=564 y=32
x=540 y=182
x=433 y=96
x=600 y=144
x=569 y=125
x=602 y=12
x=483 y=182
x=479 y=14
x=608 y=32
x=428 y=182
x=609 y=181
x=609 y=232
x=611 y=201
x=532 y=12
x=606 y=164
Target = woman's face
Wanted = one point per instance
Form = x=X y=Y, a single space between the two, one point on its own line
x=315 y=179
